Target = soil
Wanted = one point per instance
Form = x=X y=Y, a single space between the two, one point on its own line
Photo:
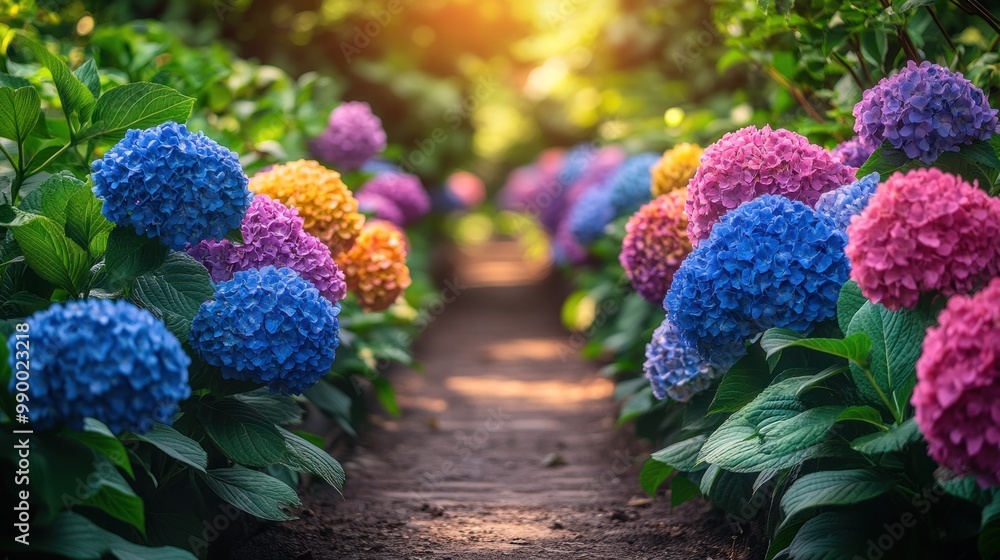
x=506 y=448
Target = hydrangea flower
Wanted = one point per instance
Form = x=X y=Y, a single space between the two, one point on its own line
x=168 y=183
x=924 y=231
x=532 y=188
x=852 y=152
x=404 y=190
x=924 y=111
x=381 y=207
x=675 y=168
x=269 y=326
x=772 y=262
x=655 y=244
x=375 y=267
x=958 y=386
x=465 y=188
x=353 y=136
x=566 y=249
x=752 y=162
x=590 y=215
x=577 y=160
x=102 y=359
x=848 y=201
x=674 y=368
x=328 y=209
x=273 y=235
x=630 y=185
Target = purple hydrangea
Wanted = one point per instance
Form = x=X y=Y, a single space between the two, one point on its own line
x=674 y=368
x=273 y=235
x=404 y=190
x=353 y=136
x=924 y=111
x=848 y=201
x=380 y=207
x=852 y=152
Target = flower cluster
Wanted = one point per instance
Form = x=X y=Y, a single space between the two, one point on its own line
x=403 y=190
x=328 y=209
x=168 y=183
x=375 y=267
x=466 y=189
x=958 y=386
x=353 y=136
x=380 y=207
x=675 y=168
x=269 y=326
x=772 y=262
x=751 y=162
x=848 y=201
x=590 y=215
x=655 y=244
x=630 y=185
x=853 y=152
x=105 y=360
x=273 y=235
x=924 y=111
x=924 y=231
x=674 y=368
x=532 y=188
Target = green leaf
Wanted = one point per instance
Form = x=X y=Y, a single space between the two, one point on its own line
x=279 y=409
x=73 y=94
x=851 y=301
x=637 y=405
x=854 y=347
x=235 y=235
x=16 y=82
x=306 y=457
x=48 y=251
x=832 y=536
x=98 y=437
x=863 y=414
x=140 y=105
x=74 y=536
x=87 y=73
x=241 y=433
x=653 y=474
x=53 y=196
x=989 y=535
x=174 y=292
x=834 y=488
x=253 y=492
x=895 y=439
x=885 y=161
x=333 y=402
x=682 y=490
x=914 y=4
x=386 y=395
x=20 y=110
x=741 y=384
x=129 y=255
x=682 y=455
x=114 y=496
x=176 y=445
x=85 y=224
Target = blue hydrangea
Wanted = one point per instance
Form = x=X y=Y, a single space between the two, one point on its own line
x=674 y=368
x=101 y=359
x=630 y=185
x=842 y=204
x=168 y=183
x=771 y=262
x=591 y=214
x=576 y=163
x=269 y=326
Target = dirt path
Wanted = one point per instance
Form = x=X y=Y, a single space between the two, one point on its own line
x=506 y=449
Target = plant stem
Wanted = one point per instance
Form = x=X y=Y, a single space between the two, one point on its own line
x=881 y=394
x=857 y=80
x=855 y=45
x=799 y=96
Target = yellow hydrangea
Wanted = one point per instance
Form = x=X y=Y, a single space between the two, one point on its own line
x=675 y=168
x=375 y=268
x=328 y=209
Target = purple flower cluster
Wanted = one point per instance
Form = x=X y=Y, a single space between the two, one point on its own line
x=402 y=190
x=674 y=368
x=853 y=152
x=353 y=136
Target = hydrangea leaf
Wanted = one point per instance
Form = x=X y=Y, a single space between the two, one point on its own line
x=854 y=347
x=833 y=536
x=741 y=384
x=137 y=106
x=74 y=536
x=73 y=94
x=112 y=495
x=98 y=437
x=85 y=223
x=303 y=456
x=280 y=409
x=47 y=250
x=174 y=292
x=241 y=433
x=20 y=110
x=653 y=474
x=53 y=196
x=87 y=73
x=682 y=455
x=129 y=255
x=176 y=445
x=253 y=492
x=833 y=488
x=851 y=301
x=895 y=439
x=885 y=161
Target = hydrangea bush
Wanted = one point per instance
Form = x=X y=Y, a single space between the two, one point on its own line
x=353 y=136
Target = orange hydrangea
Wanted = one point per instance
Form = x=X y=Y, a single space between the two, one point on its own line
x=375 y=268
x=328 y=208
x=675 y=168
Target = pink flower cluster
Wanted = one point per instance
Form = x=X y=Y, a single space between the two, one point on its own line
x=273 y=236
x=751 y=162
x=655 y=244
x=958 y=386
x=922 y=232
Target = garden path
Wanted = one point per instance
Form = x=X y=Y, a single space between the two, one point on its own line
x=506 y=448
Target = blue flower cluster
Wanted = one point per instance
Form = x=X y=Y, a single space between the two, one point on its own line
x=771 y=262
x=101 y=359
x=631 y=183
x=844 y=203
x=924 y=111
x=591 y=214
x=576 y=163
x=168 y=183
x=674 y=368
x=269 y=326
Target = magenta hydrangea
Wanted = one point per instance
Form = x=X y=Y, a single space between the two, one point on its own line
x=751 y=162
x=380 y=207
x=655 y=245
x=273 y=236
x=353 y=136
x=404 y=190
x=924 y=111
x=958 y=386
x=924 y=231
x=852 y=152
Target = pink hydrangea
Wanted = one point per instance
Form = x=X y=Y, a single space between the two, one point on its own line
x=381 y=207
x=958 y=386
x=922 y=232
x=751 y=162
x=273 y=235
x=655 y=245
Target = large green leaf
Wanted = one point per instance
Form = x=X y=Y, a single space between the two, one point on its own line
x=653 y=474
x=832 y=535
x=682 y=455
x=989 y=535
x=140 y=105
x=19 y=112
x=885 y=161
x=834 y=488
x=73 y=94
x=88 y=74
x=895 y=439
x=280 y=409
x=241 y=433
x=741 y=384
x=53 y=196
x=112 y=494
x=176 y=445
x=129 y=255
x=333 y=402
x=98 y=437
x=854 y=347
x=174 y=292
x=47 y=250
x=74 y=536
x=851 y=301
x=306 y=457
x=253 y=492
x=85 y=224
